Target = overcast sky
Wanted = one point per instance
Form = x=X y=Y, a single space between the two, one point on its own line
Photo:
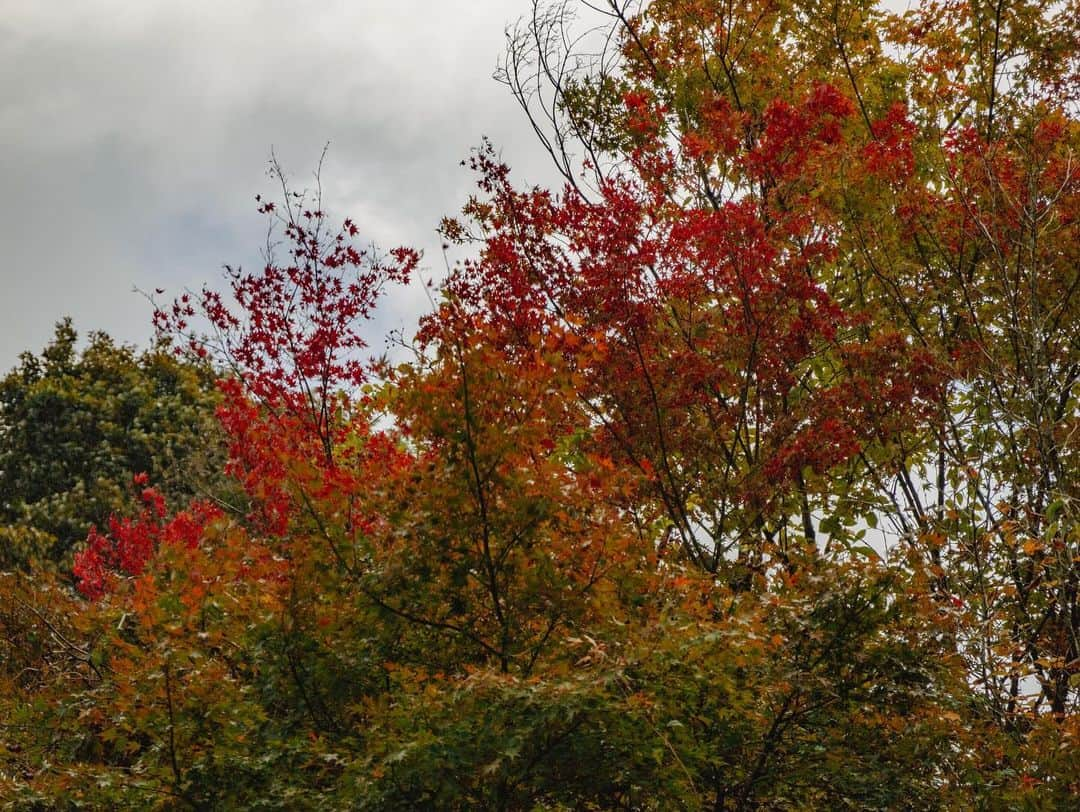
x=134 y=135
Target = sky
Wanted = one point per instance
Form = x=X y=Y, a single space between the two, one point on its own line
x=135 y=134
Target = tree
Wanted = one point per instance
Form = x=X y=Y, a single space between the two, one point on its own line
x=77 y=426
x=919 y=169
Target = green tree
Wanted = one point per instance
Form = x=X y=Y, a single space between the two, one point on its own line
x=76 y=425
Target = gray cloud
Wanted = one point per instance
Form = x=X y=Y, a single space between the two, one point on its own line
x=135 y=134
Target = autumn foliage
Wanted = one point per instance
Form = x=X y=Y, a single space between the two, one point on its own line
x=738 y=473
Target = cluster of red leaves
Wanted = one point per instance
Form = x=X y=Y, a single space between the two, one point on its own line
x=793 y=134
x=890 y=154
x=132 y=542
x=276 y=459
x=293 y=332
